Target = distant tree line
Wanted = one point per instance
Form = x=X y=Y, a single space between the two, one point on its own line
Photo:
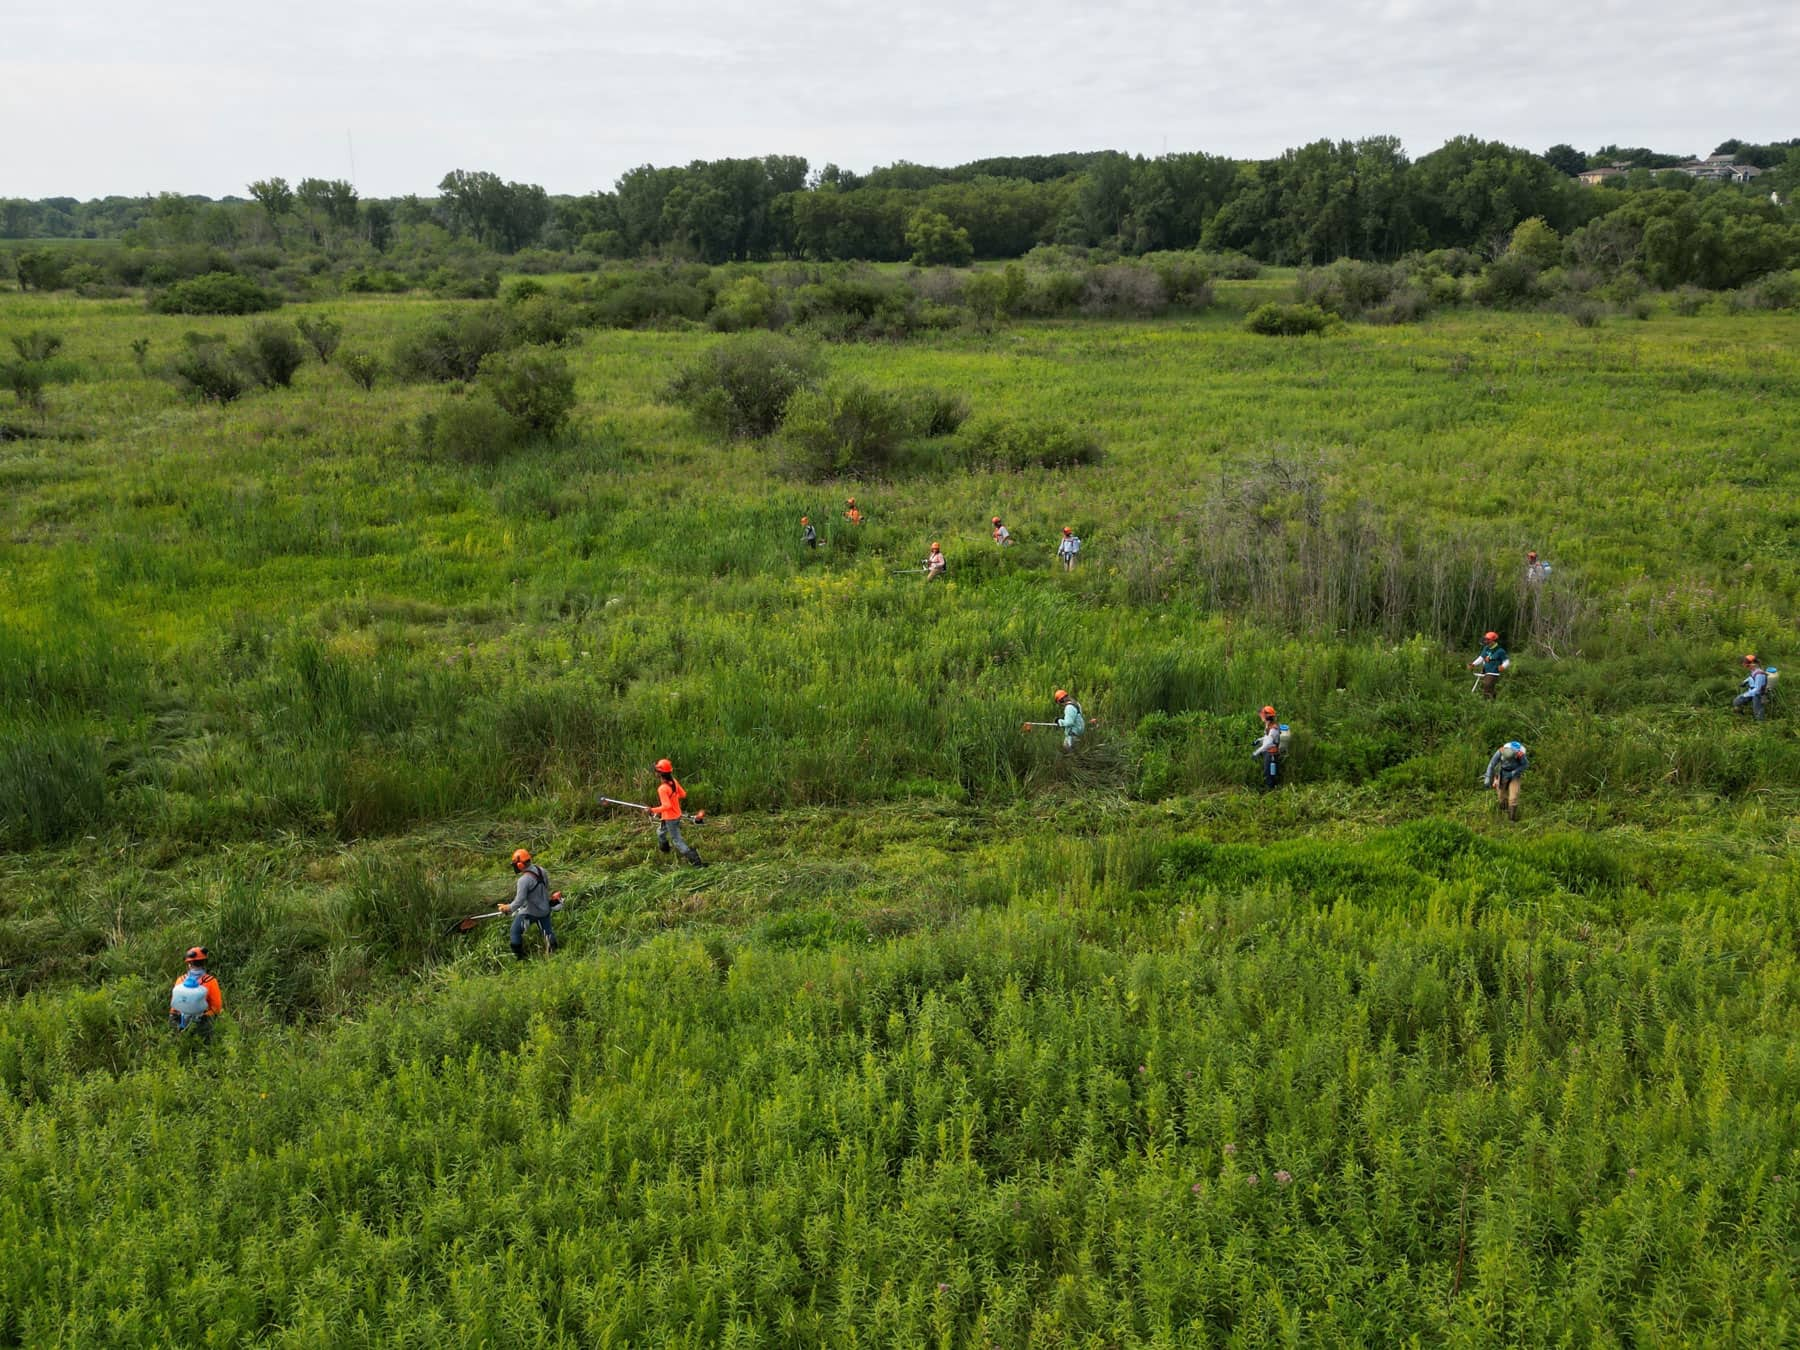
x=1363 y=199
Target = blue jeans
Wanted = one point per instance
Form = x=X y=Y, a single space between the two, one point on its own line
x=520 y=923
x=1754 y=700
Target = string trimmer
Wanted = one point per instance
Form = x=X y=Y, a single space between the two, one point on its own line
x=464 y=925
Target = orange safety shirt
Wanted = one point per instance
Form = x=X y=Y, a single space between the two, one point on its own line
x=214 y=999
x=669 y=797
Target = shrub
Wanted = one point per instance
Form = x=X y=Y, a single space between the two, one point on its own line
x=271 y=354
x=322 y=335
x=1186 y=278
x=41 y=269
x=453 y=345
x=140 y=351
x=1347 y=288
x=1408 y=304
x=1585 y=313
x=1510 y=279
x=1009 y=443
x=1123 y=289
x=37 y=345
x=748 y=302
x=533 y=386
x=544 y=320
x=1687 y=301
x=360 y=367
x=26 y=380
x=521 y=289
x=1777 y=290
x=1277 y=320
x=472 y=430
x=845 y=427
x=455 y=285
x=935 y=412
x=741 y=387
x=216 y=293
x=207 y=373
x=376 y=282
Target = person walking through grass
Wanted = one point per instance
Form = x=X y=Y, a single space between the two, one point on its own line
x=1535 y=571
x=851 y=513
x=1002 y=535
x=195 y=1001
x=1504 y=770
x=1068 y=548
x=808 y=535
x=936 y=566
x=531 y=903
x=1756 y=688
x=670 y=796
x=1492 y=661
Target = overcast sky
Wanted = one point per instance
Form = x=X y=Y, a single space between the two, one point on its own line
x=135 y=96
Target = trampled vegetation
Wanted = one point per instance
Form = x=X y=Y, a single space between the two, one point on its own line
x=958 y=1040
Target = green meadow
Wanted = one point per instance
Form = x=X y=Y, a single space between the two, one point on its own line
x=957 y=1040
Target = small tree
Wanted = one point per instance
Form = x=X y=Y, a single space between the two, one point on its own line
x=322 y=335
x=473 y=430
x=26 y=380
x=1535 y=242
x=140 y=351
x=360 y=367
x=271 y=354
x=531 y=385
x=37 y=345
x=935 y=240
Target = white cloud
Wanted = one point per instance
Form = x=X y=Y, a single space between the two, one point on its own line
x=202 y=96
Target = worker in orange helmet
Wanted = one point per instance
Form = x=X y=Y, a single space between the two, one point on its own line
x=1070 y=719
x=935 y=565
x=531 y=903
x=808 y=535
x=668 y=812
x=851 y=513
x=1002 y=535
x=1068 y=548
x=195 y=1001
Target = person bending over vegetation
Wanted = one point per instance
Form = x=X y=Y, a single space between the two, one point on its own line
x=935 y=564
x=1002 y=535
x=1070 y=719
x=1068 y=548
x=668 y=812
x=531 y=903
x=808 y=535
x=1756 y=688
x=1492 y=661
x=196 y=999
x=1504 y=771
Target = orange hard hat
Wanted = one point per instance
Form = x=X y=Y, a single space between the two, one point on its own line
x=195 y=954
x=996 y=520
x=664 y=766
x=1532 y=554
x=521 y=856
x=849 y=501
x=934 y=546
x=1750 y=658
x=1067 y=530
x=805 y=521
x=1062 y=695
x=1268 y=711
x=1490 y=637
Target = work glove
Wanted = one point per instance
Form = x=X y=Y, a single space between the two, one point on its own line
x=503 y=907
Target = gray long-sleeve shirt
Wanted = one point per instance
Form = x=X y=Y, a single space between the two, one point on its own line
x=1508 y=769
x=532 y=896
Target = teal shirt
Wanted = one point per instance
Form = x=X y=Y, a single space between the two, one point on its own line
x=1491 y=659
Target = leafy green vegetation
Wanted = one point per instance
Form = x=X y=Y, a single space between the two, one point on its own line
x=958 y=1040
